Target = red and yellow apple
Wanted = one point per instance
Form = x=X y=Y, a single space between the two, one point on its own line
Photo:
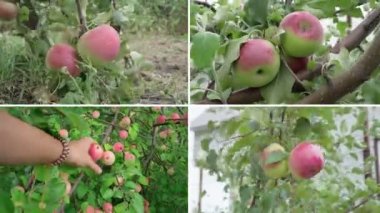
x=161 y=119
x=118 y=147
x=125 y=122
x=257 y=66
x=303 y=34
x=107 y=207
x=8 y=11
x=277 y=169
x=108 y=158
x=123 y=134
x=95 y=151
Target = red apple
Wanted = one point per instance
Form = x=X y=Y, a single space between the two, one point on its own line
x=99 y=45
x=303 y=34
x=165 y=133
x=123 y=134
x=107 y=207
x=118 y=147
x=90 y=209
x=156 y=108
x=257 y=66
x=108 y=158
x=8 y=11
x=273 y=170
x=95 y=151
x=96 y=114
x=176 y=117
x=60 y=56
x=161 y=119
x=306 y=160
x=129 y=156
x=138 y=188
x=63 y=133
x=297 y=64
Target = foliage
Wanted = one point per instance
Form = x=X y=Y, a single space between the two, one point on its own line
x=233 y=149
x=233 y=23
x=24 y=188
x=24 y=77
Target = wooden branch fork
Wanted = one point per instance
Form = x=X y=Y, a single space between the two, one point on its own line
x=339 y=86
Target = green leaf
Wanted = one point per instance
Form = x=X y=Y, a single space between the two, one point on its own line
x=303 y=127
x=205 y=143
x=256 y=12
x=204 y=48
x=275 y=157
x=280 y=88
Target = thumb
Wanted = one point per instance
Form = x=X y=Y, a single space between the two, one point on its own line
x=95 y=167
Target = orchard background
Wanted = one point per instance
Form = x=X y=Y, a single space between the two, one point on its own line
x=150 y=175
x=151 y=66
x=225 y=160
x=343 y=70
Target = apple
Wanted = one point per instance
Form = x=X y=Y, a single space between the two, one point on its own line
x=99 y=45
x=170 y=171
x=63 y=133
x=129 y=156
x=297 y=64
x=126 y=121
x=277 y=169
x=90 y=209
x=123 y=134
x=107 y=207
x=257 y=66
x=95 y=151
x=108 y=158
x=138 y=188
x=119 y=180
x=60 y=56
x=165 y=133
x=306 y=160
x=163 y=147
x=95 y=114
x=8 y=11
x=133 y=146
x=303 y=34
x=118 y=147
x=146 y=206
x=161 y=119
x=175 y=117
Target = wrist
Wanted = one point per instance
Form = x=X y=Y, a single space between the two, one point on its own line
x=64 y=154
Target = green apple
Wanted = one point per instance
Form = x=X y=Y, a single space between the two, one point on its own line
x=277 y=169
x=303 y=34
x=258 y=64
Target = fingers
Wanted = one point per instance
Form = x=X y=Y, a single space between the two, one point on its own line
x=95 y=167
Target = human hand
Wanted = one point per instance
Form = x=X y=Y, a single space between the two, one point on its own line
x=8 y=10
x=79 y=156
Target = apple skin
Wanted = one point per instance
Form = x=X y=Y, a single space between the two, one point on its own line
x=95 y=114
x=156 y=108
x=138 y=188
x=273 y=170
x=303 y=34
x=8 y=11
x=107 y=208
x=126 y=121
x=297 y=64
x=161 y=119
x=118 y=147
x=99 y=45
x=306 y=160
x=129 y=156
x=123 y=134
x=108 y=158
x=95 y=151
x=175 y=117
x=257 y=66
x=63 y=55
x=165 y=133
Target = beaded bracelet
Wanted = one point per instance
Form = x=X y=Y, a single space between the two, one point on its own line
x=65 y=153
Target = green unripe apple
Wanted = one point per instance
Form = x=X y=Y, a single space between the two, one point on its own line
x=258 y=64
x=303 y=34
x=277 y=169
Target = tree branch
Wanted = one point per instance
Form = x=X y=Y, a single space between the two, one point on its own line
x=350 y=42
x=348 y=81
x=82 y=18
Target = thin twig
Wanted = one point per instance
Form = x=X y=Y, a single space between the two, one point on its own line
x=82 y=18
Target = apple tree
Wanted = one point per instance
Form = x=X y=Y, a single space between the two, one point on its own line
x=317 y=52
x=294 y=159
x=144 y=163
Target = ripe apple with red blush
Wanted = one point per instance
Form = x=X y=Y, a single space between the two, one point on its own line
x=276 y=169
x=297 y=64
x=123 y=134
x=306 y=160
x=108 y=158
x=303 y=34
x=95 y=151
x=161 y=119
x=118 y=147
x=257 y=65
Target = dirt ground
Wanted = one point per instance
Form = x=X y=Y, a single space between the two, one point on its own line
x=167 y=81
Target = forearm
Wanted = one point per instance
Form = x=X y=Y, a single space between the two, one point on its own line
x=21 y=143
